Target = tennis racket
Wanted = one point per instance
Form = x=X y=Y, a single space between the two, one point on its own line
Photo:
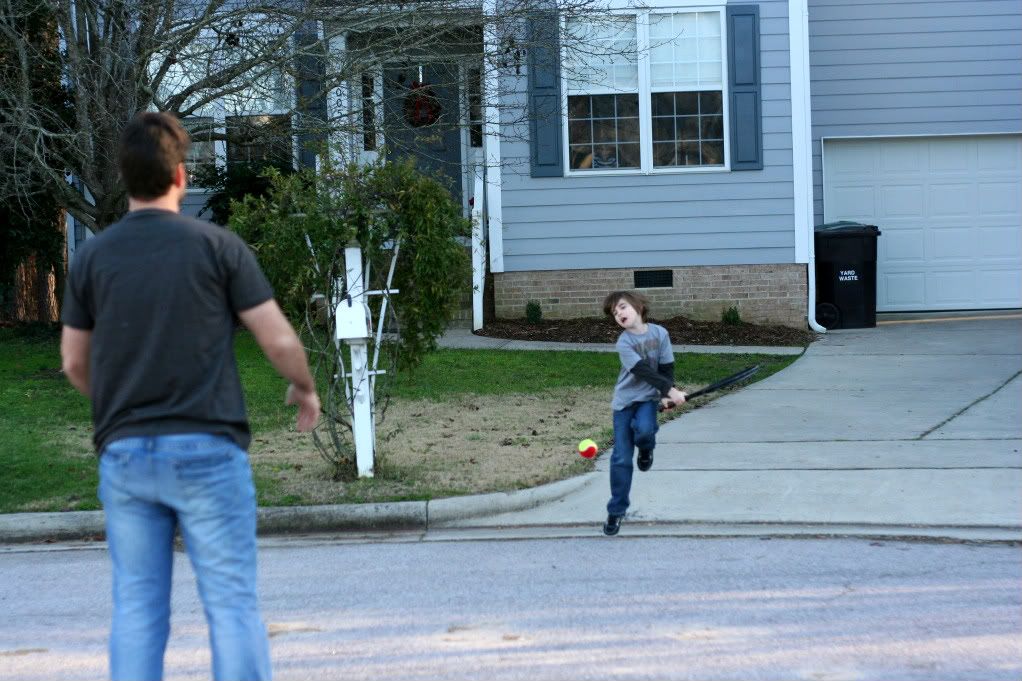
x=723 y=383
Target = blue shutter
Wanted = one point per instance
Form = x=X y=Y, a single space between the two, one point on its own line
x=311 y=100
x=745 y=87
x=545 y=153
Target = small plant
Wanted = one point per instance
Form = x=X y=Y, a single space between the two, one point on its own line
x=731 y=316
x=533 y=312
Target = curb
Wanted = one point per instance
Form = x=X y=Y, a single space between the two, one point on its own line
x=394 y=516
x=441 y=511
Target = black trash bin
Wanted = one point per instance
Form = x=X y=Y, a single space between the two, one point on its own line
x=846 y=275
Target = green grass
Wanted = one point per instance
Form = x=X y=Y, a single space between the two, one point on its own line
x=37 y=405
x=42 y=414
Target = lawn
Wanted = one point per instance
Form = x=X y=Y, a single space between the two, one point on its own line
x=466 y=421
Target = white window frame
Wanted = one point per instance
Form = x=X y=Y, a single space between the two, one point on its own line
x=646 y=167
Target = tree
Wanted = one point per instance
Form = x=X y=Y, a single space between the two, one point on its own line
x=118 y=57
x=30 y=221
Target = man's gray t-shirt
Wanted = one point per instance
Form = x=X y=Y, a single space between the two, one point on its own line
x=653 y=348
x=161 y=293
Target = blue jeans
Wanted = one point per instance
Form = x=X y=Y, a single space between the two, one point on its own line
x=202 y=483
x=634 y=426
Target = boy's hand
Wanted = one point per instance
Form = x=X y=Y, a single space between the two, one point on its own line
x=666 y=404
x=676 y=396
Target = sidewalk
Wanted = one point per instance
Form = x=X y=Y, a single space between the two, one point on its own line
x=905 y=430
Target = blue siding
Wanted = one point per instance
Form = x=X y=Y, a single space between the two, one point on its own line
x=901 y=67
x=193 y=202
x=700 y=218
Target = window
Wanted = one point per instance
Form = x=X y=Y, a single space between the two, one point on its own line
x=260 y=141
x=603 y=96
x=650 y=95
x=202 y=153
x=368 y=113
x=475 y=107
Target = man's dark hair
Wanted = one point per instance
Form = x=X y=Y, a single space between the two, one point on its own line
x=152 y=146
x=634 y=298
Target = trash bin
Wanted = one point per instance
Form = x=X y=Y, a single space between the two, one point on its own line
x=846 y=275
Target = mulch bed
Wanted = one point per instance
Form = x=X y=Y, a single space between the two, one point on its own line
x=683 y=331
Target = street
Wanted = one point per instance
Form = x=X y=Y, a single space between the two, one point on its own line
x=422 y=607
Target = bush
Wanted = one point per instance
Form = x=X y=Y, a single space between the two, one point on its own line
x=375 y=205
x=533 y=312
x=299 y=231
x=731 y=316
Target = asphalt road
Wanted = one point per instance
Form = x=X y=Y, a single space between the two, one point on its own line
x=583 y=608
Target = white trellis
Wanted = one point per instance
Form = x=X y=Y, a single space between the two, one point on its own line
x=354 y=326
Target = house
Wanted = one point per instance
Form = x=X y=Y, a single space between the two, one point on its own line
x=898 y=113
x=689 y=149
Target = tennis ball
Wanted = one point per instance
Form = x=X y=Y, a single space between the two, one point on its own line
x=587 y=448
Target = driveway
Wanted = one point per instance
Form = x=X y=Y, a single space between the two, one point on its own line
x=910 y=428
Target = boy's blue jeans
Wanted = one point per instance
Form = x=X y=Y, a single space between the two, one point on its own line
x=202 y=483
x=634 y=426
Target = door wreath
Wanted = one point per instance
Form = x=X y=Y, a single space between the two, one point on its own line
x=421 y=105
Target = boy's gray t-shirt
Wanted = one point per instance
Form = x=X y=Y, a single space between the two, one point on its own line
x=652 y=347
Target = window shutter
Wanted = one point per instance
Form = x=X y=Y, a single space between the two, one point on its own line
x=744 y=82
x=545 y=154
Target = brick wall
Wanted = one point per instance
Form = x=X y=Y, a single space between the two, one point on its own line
x=774 y=294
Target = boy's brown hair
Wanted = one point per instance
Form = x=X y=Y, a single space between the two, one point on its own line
x=152 y=146
x=634 y=298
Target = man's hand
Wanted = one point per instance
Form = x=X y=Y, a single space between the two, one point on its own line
x=308 y=406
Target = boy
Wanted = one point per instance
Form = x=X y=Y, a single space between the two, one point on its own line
x=149 y=317
x=646 y=379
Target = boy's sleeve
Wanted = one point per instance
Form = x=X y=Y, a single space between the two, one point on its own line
x=646 y=373
x=666 y=351
x=667 y=371
x=629 y=357
x=631 y=360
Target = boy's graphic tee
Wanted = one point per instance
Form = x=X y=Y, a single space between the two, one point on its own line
x=653 y=348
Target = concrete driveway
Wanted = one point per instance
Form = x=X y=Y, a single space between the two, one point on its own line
x=912 y=428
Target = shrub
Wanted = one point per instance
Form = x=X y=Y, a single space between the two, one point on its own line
x=299 y=230
x=533 y=312
x=731 y=316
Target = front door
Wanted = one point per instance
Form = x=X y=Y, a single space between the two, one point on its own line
x=422 y=120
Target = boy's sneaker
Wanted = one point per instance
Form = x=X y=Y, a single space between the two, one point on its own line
x=612 y=525
x=645 y=461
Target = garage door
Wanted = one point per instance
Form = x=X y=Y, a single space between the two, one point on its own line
x=949 y=210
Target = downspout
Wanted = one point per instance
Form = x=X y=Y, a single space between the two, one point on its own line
x=802 y=150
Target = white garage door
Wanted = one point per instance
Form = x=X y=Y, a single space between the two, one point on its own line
x=950 y=214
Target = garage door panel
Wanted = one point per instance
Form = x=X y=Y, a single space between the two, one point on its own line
x=952 y=157
x=854 y=200
x=951 y=199
x=951 y=288
x=905 y=200
x=1004 y=281
x=950 y=213
x=905 y=290
x=950 y=245
x=901 y=157
x=994 y=155
x=999 y=245
x=999 y=198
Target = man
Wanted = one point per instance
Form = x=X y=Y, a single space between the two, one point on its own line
x=149 y=316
